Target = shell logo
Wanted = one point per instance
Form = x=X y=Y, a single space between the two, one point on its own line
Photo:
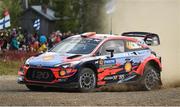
x=128 y=66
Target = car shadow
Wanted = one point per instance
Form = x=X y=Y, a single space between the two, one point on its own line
x=111 y=88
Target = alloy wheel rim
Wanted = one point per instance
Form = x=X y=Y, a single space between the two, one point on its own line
x=151 y=80
x=87 y=80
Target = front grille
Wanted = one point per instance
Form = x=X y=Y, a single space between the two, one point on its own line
x=43 y=75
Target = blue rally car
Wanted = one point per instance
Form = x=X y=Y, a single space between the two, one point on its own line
x=92 y=60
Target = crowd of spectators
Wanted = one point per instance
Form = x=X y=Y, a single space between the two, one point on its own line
x=17 y=39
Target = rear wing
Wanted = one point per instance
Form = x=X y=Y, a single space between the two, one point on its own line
x=150 y=39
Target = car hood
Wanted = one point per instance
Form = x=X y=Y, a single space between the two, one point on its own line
x=50 y=59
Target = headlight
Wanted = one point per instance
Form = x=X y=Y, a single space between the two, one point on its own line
x=63 y=65
x=57 y=65
x=67 y=65
x=28 y=60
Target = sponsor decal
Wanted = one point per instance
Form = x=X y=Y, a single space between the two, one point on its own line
x=101 y=62
x=107 y=63
x=48 y=57
x=132 y=45
x=40 y=75
x=114 y=77
x=128 y=66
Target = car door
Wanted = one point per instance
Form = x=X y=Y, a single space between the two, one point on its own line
x=110 y=67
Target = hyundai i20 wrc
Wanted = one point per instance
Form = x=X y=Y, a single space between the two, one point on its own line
x=92 y=60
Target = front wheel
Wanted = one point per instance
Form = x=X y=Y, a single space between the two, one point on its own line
x=151 y=78
x=87 y=80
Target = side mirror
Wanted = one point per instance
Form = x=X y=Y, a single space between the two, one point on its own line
x=111 y=51
x=152 y=40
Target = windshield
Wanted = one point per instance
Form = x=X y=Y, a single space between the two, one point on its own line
x=77 y=45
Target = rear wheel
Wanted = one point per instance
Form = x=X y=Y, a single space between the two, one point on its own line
x=35 y=88
x=87 y=80
x=151 y=78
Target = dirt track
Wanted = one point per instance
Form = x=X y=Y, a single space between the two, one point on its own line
x=12 y=93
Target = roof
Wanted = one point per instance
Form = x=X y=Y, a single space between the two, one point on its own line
x=50 y=14
x=109 y=36
x=104 y=36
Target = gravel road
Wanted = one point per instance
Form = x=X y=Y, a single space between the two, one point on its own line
x=14 y=94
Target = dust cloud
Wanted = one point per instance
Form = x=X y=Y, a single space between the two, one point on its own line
x=158 y=16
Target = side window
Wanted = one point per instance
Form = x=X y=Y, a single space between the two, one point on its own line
x=132 y=46
x=116 y=45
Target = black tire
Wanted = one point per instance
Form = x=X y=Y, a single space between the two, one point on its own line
x=86 y=80
x=35 y=88
x=151 y=79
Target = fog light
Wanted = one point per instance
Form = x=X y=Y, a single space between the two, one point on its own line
x=62 y=73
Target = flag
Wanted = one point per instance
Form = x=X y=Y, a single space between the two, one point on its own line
x=5 y=21
x=37 y=24
x=110 y=6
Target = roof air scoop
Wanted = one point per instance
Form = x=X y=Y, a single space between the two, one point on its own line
x=88 y=34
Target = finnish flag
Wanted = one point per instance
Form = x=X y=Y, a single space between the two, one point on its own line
x=36 y=24
x=5 y=22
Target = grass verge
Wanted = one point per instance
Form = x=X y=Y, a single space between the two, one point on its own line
x=9 y=67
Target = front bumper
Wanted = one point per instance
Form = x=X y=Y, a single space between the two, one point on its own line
x=53 y=79
x=61 y=83
x=20 y=79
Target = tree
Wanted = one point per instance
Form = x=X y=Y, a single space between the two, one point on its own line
x=68 y=12
x=92 y=15
x=14 y=8
x=79 y=15
x=75 y=15
x=38 y=2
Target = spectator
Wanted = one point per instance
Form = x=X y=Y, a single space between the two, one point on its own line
x=5 y=44
x=14 y=44
x=43 y=41
x=1 y=43
x=20 y=39
x=58 y=37
x=36 y=46
x=51 y=40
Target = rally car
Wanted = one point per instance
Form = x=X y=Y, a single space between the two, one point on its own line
x=91 y=60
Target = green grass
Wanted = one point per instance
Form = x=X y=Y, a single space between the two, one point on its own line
x=9 y=67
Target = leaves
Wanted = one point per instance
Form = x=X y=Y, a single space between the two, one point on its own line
x=76 y=15
x=83 y=15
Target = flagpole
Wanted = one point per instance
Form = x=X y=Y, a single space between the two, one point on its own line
x=110 y=7
x=111 y=24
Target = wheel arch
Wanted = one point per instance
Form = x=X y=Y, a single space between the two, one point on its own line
x=154 y=64
x=151 y=64
x=153 y=61
x=89 y=65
